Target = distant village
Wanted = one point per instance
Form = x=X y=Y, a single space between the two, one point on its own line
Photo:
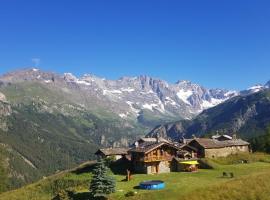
x=158 y=155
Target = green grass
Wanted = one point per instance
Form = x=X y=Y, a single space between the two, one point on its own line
x=243 y=157
x=179 y=185
x=252 y=187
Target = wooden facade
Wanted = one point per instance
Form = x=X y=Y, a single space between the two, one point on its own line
x=152 y=159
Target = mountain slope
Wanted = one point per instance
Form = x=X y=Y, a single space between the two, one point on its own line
x=248 y=115
x=45 y=131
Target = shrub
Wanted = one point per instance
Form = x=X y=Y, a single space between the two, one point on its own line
x=64 y=195
x=130 y=194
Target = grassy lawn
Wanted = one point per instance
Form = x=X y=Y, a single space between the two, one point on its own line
x=206 y=184
x=181 y=184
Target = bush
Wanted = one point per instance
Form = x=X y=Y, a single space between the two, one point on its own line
x=64 y=195
x=130 y=194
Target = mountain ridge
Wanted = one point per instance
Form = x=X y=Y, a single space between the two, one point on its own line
x=247 y=115
x=135 y=94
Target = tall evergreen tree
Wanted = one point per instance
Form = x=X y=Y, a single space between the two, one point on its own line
x=101 y=184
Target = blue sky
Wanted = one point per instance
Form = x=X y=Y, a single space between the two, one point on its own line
x=223 y=44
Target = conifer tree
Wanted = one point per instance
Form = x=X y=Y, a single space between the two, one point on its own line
x=101 y=184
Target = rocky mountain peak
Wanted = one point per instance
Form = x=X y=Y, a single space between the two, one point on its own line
x=183 y=82
x=69 y=77
x=29 y=74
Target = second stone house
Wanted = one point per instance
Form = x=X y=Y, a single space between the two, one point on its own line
x=222 y=146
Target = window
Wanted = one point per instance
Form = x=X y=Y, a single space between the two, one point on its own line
x=161 y=152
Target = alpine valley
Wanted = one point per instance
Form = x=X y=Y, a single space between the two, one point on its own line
x=51 y=122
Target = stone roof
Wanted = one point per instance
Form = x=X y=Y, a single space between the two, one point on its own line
x=186 y=146
x=220 y=136
x=149 y=146
x=212 y=143
x=113 y=151
x=145 y=139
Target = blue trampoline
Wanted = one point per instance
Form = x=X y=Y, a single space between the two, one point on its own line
x=152 y=185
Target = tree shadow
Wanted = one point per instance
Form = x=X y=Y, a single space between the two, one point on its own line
x=82 y=196
x=121 y=166
x=137 y=187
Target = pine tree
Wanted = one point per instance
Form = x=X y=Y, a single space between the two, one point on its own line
x=101 y=184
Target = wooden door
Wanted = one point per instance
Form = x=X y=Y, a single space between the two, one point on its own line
x=154 y=168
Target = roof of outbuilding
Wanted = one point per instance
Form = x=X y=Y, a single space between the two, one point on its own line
x=148 y=139
x=222 y=136
x=113 y=151
x=212 y=143
x=149 y=146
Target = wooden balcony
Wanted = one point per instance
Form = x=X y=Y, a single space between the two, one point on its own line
x=156 y=158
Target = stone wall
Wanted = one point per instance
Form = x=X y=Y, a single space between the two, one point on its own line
x=226 y=151
x=164 y=167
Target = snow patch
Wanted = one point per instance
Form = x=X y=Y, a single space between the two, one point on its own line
x=184 y=95
x=256 y=88
x=152 y=106
x=149 y=106
x=215 y=101
x=148 y=92
x=123 y=115
x=208 y=104
x=111 y=92
x=47 y=81
x=127 y=89
x=132 y=108
x=231 y=93
x=82 y=82
x=168 y=100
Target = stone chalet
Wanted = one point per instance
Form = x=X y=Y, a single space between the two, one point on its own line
x=156 y=155
x=219 y=146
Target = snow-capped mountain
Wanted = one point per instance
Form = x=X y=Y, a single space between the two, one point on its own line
x=130 y=97
x=255 y=88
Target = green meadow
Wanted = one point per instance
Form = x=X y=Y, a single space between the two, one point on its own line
x=250 y=182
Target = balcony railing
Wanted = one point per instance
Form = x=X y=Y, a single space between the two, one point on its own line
x=156 y=158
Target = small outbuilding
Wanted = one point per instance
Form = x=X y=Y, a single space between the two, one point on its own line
x=116 y=153
x=184 y=165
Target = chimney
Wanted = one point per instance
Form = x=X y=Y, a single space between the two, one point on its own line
x=136 y=144
x=184 y=141
x=192 y=154
x=193 y=136
x=157 y=139
x=234 y=136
